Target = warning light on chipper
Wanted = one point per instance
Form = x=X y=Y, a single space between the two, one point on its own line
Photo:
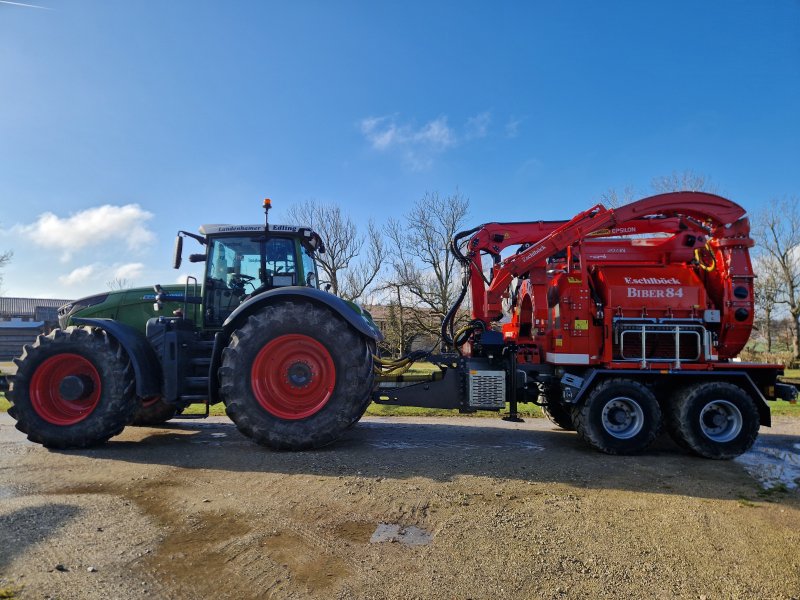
x=267 y=203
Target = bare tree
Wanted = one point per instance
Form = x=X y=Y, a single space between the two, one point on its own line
x=612 y=199
x=118 y=283
x=5 y=258
x=343 y=268
x=422 y=267
x=777 y=232
x=685 y=181
x=767 y=294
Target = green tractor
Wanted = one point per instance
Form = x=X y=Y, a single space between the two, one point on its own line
x=293 y=364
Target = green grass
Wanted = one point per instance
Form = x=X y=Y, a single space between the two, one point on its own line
x=10 y=592
x=778 y=408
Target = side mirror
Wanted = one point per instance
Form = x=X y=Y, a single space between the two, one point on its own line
x=177 y=255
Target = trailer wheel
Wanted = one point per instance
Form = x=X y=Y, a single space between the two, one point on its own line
x=715 y=419
x=620 y=416
x=73 y=389
x=153 y=411
x=295 y=376
x=555 y=409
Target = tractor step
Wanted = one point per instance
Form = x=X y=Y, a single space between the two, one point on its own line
x=195 y=382
x=195 y=399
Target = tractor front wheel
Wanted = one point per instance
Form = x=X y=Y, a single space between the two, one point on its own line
x=295 y=376
x=72 y=389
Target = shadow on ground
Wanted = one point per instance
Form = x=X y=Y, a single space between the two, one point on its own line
x=29 y=526
x=440 y=452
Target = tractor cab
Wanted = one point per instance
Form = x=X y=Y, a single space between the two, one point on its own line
x=243 y=261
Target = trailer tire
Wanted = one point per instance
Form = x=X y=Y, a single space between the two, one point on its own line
x=716 y=419
x=73 y=388
x=153 y=411
x=554 y=409
x=619 y=416
x=295 y=376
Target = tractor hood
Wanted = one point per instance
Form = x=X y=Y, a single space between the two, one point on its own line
x=132 y=307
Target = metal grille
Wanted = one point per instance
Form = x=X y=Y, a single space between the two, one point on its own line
x=649 y=342
x=487 y=389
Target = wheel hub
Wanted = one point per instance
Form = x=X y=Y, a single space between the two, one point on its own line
x=299 y=375
x=75 y=387
x=622 y=418
x=721 y=421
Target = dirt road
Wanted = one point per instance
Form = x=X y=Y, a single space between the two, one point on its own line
x=477 y=508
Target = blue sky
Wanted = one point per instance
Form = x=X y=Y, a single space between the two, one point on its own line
x=121 y=122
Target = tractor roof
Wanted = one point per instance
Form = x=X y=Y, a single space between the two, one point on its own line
x=216 y=229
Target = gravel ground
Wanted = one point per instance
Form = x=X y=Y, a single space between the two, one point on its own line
x=400 y=508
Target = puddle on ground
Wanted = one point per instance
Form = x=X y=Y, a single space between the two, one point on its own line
x=773 y=466
x=410 y=536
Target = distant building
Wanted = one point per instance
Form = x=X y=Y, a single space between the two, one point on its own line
x=22 y=319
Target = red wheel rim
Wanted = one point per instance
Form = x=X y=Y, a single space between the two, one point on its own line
x=293 y=376
x=46 y=393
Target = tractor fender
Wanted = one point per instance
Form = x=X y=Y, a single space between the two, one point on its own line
x=350 y=312
x=146 y=366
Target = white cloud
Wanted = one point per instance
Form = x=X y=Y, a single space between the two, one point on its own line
x=79 y=275
x=90 y=227
x=512 y=127
x=129 y=271
x=417 y=145
x=385 y=133
x=478 y=126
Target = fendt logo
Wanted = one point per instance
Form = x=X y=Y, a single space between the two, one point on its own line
x=653 y=281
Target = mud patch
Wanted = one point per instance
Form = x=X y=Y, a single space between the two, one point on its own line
x=357 y=532
x=306 y=564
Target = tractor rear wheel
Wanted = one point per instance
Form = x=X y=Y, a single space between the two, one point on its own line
x=154 y=411
x=715 y=419
x=295 y=376
x=619 y=416
x=73 y=389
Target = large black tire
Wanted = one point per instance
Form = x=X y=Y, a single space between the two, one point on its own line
x=371 y=349
x=295 y=376
x=715 y=419
x=554 y=409
x=619 y=416
x=73 y=389
x=153 y=412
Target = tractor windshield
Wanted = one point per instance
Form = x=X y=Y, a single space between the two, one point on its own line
x=239 y=266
